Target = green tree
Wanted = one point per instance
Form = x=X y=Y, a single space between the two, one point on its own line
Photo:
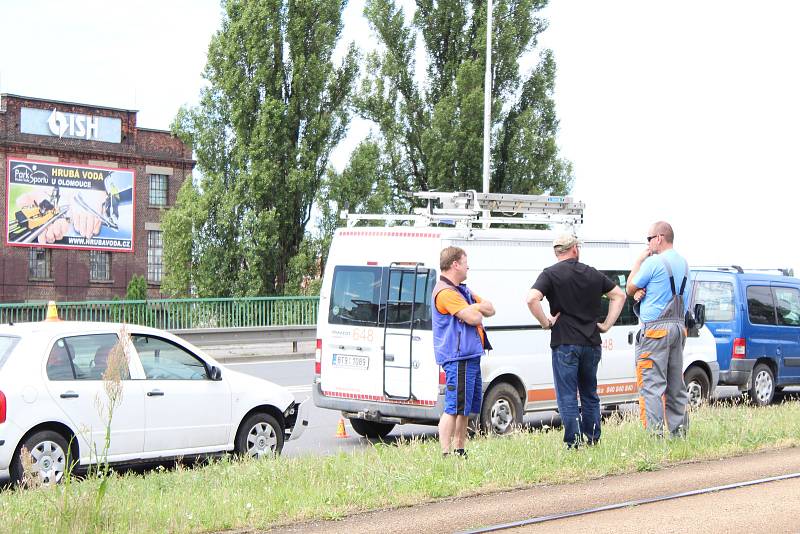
x=431 y=131
x=274 y=108
x=365 y=186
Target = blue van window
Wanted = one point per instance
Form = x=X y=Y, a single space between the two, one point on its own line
x=760 y=308
x=787 y=305
x=718 y=300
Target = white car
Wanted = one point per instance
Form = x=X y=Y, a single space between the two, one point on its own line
x=175 y=400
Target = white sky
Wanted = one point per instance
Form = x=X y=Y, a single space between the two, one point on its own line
x=686 y=111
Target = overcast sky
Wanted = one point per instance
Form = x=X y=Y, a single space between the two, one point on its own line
x=685 y=111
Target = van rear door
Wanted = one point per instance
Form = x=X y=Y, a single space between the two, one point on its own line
x=408 y=332
x=352 y=366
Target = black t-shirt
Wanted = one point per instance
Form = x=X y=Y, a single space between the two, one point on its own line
x=574 y=289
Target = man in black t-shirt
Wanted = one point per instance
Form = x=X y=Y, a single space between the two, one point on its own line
x=574 y=291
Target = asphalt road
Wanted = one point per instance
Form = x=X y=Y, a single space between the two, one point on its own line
x=320 y=436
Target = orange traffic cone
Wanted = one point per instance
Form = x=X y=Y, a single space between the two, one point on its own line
x=340 y=430
x=52 y=312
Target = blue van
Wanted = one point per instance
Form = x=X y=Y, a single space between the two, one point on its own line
x=755 y=319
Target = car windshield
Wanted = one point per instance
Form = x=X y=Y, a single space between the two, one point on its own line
x=7 y=344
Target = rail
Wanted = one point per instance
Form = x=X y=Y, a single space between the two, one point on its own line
x=177 y=314
x=215 y=337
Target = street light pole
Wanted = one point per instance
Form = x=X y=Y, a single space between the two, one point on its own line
x=487 y=98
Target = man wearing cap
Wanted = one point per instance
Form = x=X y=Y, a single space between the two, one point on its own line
x=574 y=292
x=459 y=341
x=657 y=283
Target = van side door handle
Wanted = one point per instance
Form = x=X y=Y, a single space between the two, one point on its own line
x=69 y=395
x=155 y=393
x=388 y=357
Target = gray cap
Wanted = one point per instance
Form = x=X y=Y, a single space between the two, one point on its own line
x=565 y=242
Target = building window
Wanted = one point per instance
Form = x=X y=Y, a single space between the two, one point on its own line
x=155 y=246
x=158 y=189
x=39 y=263
x=99 y=265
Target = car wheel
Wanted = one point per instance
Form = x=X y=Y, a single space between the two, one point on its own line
x=698 y=386
x=47 y=459
x=763 y=385
x=259 y=436
x=501 y=410
x=371 y=429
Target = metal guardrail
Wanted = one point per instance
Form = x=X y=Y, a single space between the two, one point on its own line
x=214 y=337
x=177 y=314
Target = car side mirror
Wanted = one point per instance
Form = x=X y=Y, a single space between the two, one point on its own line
x=215 y=373
x=700 y=315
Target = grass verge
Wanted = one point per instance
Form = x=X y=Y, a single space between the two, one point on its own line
x=260 y=494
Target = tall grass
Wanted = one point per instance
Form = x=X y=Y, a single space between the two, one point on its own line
x=260 y=494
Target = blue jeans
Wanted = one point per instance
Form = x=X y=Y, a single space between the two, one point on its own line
x=574 y=371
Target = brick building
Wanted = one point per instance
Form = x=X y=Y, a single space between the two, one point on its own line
x=83 y=191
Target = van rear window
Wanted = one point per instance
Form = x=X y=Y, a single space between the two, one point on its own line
x=371 y=296
x=7 y=344
x=356 y=296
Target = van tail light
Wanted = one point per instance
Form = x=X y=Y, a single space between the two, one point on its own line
x=318 y=358
x=441 y=377
x=739 y=348
x=2 y=407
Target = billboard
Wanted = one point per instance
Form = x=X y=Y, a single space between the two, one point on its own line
x=63 y=205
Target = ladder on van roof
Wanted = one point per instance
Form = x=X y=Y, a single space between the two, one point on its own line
x=470 y=208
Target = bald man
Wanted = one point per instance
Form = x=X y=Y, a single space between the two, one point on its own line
x=657 y=283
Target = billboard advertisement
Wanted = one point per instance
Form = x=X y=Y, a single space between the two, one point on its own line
x=63 y=205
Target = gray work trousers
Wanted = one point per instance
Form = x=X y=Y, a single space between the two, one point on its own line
x=659 y=375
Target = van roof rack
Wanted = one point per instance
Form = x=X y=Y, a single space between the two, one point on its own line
x=470 y=208
x=785 y=271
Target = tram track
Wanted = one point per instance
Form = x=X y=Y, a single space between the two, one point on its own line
x=628 y=504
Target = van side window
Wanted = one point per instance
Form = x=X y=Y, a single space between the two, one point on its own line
x=787 y=305
x=626 y=316
x=718 y=300
x=355 y=296
x=401 y=288
x=760 y=308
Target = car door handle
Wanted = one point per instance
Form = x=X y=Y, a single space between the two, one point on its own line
x=388 y=357
x=69 y=395
x=155 y=393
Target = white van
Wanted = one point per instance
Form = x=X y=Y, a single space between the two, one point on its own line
x=374 y=357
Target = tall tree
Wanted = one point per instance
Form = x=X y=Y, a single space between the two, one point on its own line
x=274 y=108
x=431 y=124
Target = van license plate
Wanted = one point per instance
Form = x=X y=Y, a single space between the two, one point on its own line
x=351 y=362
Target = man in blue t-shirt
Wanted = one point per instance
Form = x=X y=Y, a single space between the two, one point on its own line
x=657 y=283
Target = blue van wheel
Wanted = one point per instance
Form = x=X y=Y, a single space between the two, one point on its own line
x=762 y=389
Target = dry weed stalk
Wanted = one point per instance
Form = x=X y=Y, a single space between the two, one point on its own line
x=30 y=478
